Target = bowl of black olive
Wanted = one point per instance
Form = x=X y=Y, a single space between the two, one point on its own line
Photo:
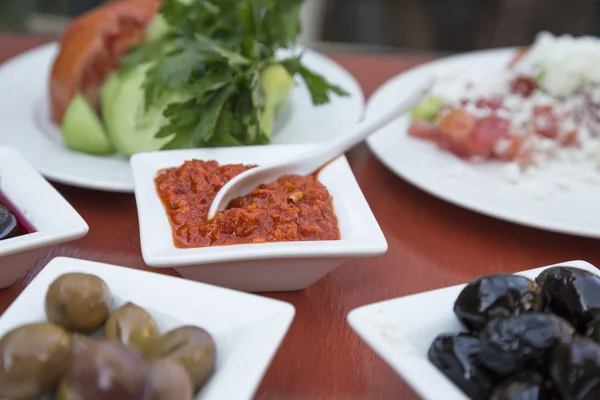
x=533 y=335
x=89 y=331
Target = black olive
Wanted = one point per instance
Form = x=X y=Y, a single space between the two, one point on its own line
x=510 y=345
x=530 y=385
x=496 y=296
x=592 y=329
x=8 y=223
x=572 y=293
x=575 y=369
x=456 y=356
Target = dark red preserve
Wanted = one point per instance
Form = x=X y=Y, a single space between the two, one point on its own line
x=12 y=222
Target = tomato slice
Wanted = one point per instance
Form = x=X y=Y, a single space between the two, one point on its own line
x=91 y=46
x=81 y=65
x=108 y=18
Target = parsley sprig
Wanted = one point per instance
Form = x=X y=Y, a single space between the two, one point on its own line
x=215 y=52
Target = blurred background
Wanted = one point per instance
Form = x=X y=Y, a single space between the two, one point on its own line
x=378 y=25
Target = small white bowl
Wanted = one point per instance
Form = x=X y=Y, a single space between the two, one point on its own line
x=401 y=331
x=54 y=219
x=282 y=266
x=247 y=329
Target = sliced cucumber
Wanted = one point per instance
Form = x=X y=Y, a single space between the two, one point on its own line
x=109 y=89
x=428 y=108
x=277 y=84
x=108 y=93
x=132 y=126
x=157 y=28
x=82 y=130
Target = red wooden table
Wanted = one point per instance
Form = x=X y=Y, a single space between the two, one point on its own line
x=431 y=244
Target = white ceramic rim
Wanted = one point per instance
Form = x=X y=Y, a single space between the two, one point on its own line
x=153 y=220
x=54 y=219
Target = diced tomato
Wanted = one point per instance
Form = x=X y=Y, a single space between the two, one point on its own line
x=91 y=46
x=569 y=139
x=486 y=134
x=545 y=122
x=523 y=85
x=520 y=54
x=455 y=130
x=459 y=149
x=423 y=130
x=491 y=104
x=458 y=124
x=513 y=148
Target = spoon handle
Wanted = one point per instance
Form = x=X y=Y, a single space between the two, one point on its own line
x=314 y=159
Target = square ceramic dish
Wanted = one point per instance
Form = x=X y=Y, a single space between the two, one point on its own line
x=54 y=219
x=401 y=330
x=281 y=266
x=247 y=329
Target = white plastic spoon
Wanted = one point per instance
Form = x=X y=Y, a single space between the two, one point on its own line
x=308 y=162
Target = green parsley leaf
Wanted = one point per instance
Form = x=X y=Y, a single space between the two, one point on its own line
x=318 y=87
x=215 y=51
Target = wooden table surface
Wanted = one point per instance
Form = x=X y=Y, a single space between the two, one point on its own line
x=432 y=244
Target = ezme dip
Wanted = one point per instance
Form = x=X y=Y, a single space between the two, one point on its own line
x=293 y=208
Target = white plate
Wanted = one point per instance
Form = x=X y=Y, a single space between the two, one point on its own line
x=24 y=112
x=247 y=329
x=256 y=267
x=540 y=201
x=401 y=330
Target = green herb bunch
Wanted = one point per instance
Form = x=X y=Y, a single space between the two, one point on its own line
x=215 y=51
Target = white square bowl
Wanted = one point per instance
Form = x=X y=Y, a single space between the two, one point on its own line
x=401 y=331
x=257 y=267
x=54 y=219
x=247 y=329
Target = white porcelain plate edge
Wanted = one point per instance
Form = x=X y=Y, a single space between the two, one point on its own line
x=24 y=112
x=248 y=328
x=541 y=202
x=402 y=341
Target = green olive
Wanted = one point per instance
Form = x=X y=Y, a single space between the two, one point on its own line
x=33 y=359
x=168 y=380
x=78 y=302
x=193 y=347
x=133 y=326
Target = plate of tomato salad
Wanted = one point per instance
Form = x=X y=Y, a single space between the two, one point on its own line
x=510 y=133
x=37 y=87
